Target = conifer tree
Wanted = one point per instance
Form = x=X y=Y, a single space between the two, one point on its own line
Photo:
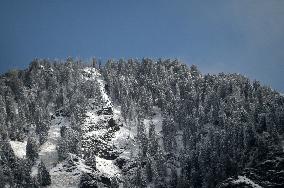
x=43 y=175
x=32 y=148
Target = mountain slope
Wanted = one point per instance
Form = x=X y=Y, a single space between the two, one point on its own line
x=138 y=124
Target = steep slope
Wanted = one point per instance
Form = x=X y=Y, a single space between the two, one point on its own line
x=268 y=173
x=139 y=124
x=103 y=133
x=110 y=138
x=48 y=151
x=241 y=181
x=49 y=155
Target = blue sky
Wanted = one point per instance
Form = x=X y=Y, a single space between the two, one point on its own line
x=243 y=36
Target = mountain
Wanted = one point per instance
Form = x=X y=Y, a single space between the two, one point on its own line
x=137 y=124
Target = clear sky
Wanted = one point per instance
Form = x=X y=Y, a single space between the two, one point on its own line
x=243 y=36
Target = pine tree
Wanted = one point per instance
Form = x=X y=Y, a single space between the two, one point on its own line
x=43 y=175
x=69 y=143
x=169 y=131
x=32 y=148
x=8 y=162
x=141 y=136
x=153 y=142
x=90 y=159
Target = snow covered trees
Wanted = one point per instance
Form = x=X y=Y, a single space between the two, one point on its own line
x=219 y=117
x=169 y=132
x=213 y=126
x=69 y=143
x=14 y=172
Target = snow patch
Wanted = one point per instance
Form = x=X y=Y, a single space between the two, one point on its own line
x=68 y=172
x=48 y=151
x=243 y=179
x=157 y=120
x=19 y=148
x=94 y=74
x=107 y=167
x=96 y=127
x=49 y=155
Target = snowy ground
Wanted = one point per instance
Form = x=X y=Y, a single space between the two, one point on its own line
x=62 y=174
x=68 y=172
x=48 y=151
x=19 y=148
x=103 y=165
x=107 y=167
x=156 y=120
x=49 y=155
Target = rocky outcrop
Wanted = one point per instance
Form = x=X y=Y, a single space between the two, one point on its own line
x=269 y=173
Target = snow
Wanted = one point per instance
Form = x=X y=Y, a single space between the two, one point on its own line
x=107 y=167
x=105 y=97
x=93 y=74
x=243 y=179
x=95 y=133
x=48 y=152
x=179 y=141
x=65 y=174
x=49 y=155
x=96 y=127
x=19 y=148
x=121 y=141
x=124 y=139
x=156 y=120
x=104 y=166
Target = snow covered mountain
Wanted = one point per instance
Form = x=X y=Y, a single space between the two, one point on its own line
x=137 y=124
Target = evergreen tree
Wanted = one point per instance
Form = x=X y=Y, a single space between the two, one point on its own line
x=43 y=175
x=32 y=148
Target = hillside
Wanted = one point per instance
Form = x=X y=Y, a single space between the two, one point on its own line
x=137 y=124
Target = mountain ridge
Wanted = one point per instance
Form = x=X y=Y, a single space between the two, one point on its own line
x=156 y=124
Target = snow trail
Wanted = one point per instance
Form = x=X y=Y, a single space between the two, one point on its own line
x=112 y=141
x=93 y=74
x=103 y=164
